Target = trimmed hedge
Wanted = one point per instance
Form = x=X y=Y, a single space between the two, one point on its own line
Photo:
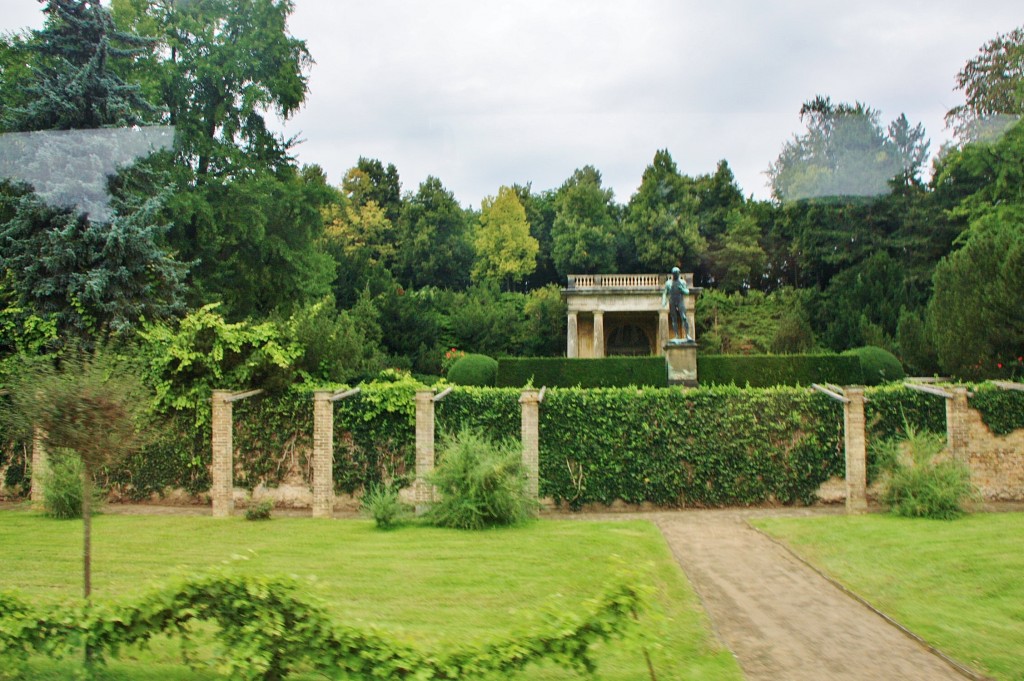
x=763 y=371
x=473 y=369
x=559 y=372
x=877 y=365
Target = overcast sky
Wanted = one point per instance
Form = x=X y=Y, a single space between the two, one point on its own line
x=482 y=93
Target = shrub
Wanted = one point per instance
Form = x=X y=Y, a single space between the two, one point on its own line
x=479 y=370
x=259 y=510
x=918 y=486
x=606 y=372
x=382 y=504
x=764 y=371
x=877 y=365
x=482 y=483
x=62 y=487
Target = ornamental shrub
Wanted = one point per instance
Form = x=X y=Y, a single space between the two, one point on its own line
x=606 y=372
x=877 y=365
x=381 y=503
x=482 y=483
x=473 y=369
x=918 y=486
x=259 y=510
x=62 y=487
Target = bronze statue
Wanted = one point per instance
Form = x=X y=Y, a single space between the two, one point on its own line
x=674 y=295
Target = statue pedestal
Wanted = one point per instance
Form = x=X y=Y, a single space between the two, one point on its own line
x=681 y=363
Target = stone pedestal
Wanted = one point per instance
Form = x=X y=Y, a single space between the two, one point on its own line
x=681 y=363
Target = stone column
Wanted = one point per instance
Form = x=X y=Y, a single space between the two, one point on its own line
x=323 y=454
x=662 y=329
x=530 y=401
x=956 y=424
x=598 y=333
x=38 y=467
x=222 y=471
x=572 y=339
x=856 y=451
x=424 y=492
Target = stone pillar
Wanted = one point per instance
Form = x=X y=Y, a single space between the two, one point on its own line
x=956 y=424
x=598 y=333
x=530 y=401
x=423 y=491
x=323 y=454
x=222 y=471
x=38 y=467
x=856 y=451
x=572 y=336
x=662 y=329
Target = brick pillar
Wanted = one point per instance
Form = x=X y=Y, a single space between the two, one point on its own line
x=856 y=451
x=222 y=471
x=572 y=336
x=530 y=401
x=424 y=492
x=323 y=454
x=38 y=467
x=662 y=330
x=956 y=424
x=598 y=333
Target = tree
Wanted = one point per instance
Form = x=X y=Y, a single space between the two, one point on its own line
x=661 y=220
x=845 y=152
x=227 y=62
x=370 y=181
x=505 y=251
x=584 y=230
x=976 y=311
x=993 y=85
x=738 y=261
x=435 y=247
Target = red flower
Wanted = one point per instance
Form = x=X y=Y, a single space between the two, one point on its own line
x=1000 y=365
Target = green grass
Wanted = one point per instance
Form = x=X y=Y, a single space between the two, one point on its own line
x=957 y=584
x=432 y=586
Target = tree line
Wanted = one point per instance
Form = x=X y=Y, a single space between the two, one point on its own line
x=854 y=247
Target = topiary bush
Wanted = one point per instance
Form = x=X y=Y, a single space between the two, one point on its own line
x=473 y=369
x=482 y=483
x=878 y=365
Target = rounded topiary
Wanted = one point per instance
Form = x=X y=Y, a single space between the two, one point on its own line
x=474 y=370
x=878 y=365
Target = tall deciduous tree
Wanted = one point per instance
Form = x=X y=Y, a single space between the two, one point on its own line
x=505 y=251
x=993 y=86
x=435 y=249
x=583 y=234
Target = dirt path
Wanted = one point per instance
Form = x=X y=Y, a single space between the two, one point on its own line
x=780 y=618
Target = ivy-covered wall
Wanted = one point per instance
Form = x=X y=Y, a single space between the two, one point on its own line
x=706 y=447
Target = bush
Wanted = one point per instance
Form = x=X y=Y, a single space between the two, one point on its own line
x=482 y=484
x=877 y=365
x=918 y=486
x=479 y=370
x=560 y=372
x=259 y=510
x=764 y=371
x=382 y=504
x=62 y=487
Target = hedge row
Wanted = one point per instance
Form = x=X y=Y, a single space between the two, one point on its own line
x=758 y=371
x=706 y=447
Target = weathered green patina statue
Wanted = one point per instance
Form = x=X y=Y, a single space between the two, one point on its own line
x=674 y=295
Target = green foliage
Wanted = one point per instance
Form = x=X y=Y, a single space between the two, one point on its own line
x=751 y=323
x=583 y=231
x=993 y=86
x=505 y=251
x=482 y=483
x=1001 y=410
x=606 y=372
x=259 y=510
x=877 y=365
x=474 y=369
x=267 y=628
x=893 y=408
x=762 y=371
x=917 y=485
x=335 y=348
x=62 y=486
x=916 y=350
x=435 y=247
x=381 y=503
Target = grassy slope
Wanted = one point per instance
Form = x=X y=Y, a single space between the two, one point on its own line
x=432 y=585
x=959 y=584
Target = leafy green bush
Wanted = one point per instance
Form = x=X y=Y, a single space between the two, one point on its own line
x=62 y=486
x=918 y=486
x=482 y=483
x=877 y=366
x=763 y=371
x=473 y=369
x=259 y=510
x=381 y=503
x=560 y=372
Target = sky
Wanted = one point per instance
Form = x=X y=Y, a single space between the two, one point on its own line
x=482 y=93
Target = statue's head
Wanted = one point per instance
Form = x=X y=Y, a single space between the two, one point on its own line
x=675 y=272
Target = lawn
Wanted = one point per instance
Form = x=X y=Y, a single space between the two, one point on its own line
x=957 y=584
x=431 y=586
